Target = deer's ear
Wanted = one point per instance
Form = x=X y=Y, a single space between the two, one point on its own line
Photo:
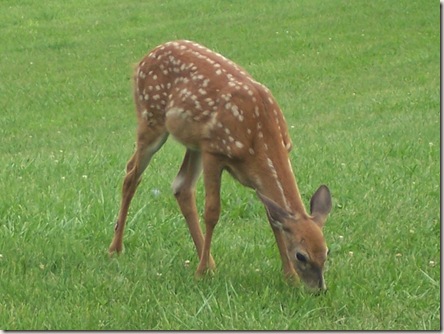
x=276 y=214
x=320 y=205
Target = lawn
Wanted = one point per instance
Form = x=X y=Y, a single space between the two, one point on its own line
x=359 y=85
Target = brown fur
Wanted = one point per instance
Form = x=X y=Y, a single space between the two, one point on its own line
x=227 y=121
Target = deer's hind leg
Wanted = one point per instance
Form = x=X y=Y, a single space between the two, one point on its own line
x=212 y=178
x=184 y=189
x=149 y=141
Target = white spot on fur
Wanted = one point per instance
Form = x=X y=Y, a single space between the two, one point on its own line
x=238 y=144
x=235 y=110
x=278 y=183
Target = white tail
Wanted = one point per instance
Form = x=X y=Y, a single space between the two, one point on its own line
x=227 y=121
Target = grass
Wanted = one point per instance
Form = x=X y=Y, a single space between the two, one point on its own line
x=359 y=85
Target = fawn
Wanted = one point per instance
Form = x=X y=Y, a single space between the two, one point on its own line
x=227 y=121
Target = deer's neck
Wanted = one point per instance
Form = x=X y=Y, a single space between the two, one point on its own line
x=278 y=182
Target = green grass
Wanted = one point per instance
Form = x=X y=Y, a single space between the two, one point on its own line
x=359 y=85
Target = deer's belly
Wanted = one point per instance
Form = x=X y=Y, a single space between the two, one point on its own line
x=184 y=127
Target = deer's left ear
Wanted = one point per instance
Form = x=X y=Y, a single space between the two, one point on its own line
x=320 y=205
x=276 y=214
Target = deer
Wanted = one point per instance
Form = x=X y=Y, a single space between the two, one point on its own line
x=227 y=121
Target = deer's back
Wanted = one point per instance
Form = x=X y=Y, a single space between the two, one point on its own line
x=206 y=101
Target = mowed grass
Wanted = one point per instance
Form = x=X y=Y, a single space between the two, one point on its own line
x=359 y=85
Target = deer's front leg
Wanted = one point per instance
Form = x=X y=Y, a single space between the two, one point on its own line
x=287 y=266
x=212 y=171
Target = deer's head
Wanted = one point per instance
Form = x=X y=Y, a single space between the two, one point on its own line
x=305 y=241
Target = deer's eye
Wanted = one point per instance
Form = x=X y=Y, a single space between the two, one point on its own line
x=301 y=257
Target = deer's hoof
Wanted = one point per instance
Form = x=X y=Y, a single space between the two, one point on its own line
x=115 y=249
x=203 y=272
x=293 y=278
